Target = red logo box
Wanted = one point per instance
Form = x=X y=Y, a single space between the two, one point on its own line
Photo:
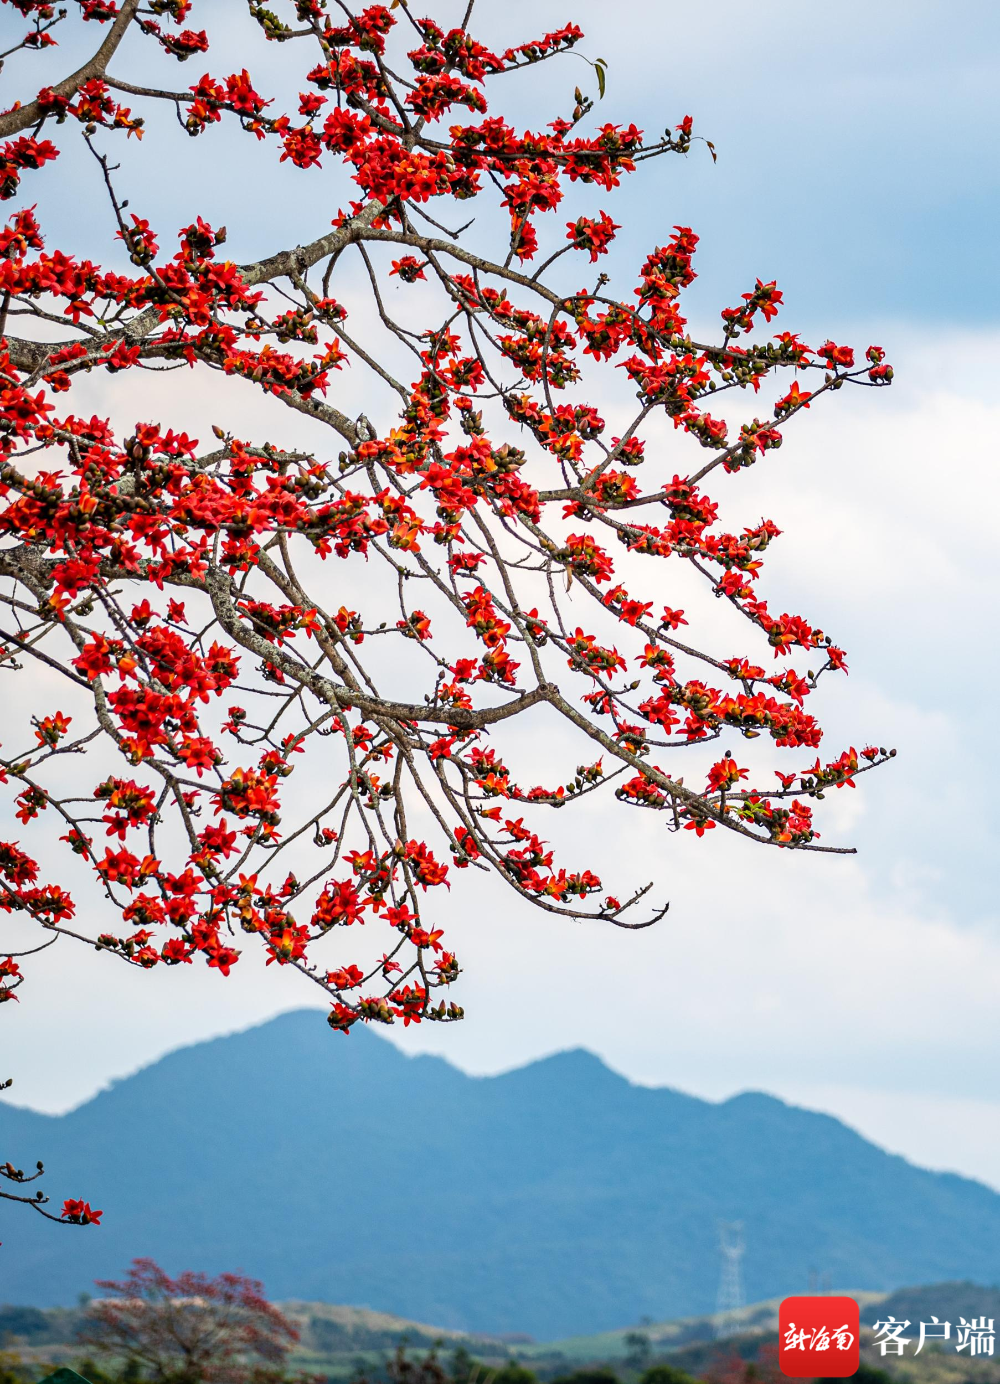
x=818 y=1337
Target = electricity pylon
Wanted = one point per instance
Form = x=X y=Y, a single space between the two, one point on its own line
x=731 y=1297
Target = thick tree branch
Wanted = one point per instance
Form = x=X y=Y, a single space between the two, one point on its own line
x=23 y=117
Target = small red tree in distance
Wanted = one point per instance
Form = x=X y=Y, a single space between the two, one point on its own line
x=282 y=752
x=191 y=1329
x=733 y=1369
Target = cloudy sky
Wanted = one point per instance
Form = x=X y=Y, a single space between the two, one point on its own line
x=857 y=166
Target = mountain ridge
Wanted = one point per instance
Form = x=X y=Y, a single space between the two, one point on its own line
x=556 y=1198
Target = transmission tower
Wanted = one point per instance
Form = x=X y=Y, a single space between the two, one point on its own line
x=731 y=1297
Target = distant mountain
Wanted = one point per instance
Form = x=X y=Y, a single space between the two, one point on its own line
x=946 y=1301
x=557 y=1199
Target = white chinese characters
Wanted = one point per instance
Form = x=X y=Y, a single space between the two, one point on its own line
x=818 y=1338
x=893 y=1342
x=977 y=1340
x=974 y=1336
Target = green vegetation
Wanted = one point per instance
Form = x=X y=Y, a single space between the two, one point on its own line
x=511 y=1373
x=596 y=1374
x=664 y=1374
x=867 y=1374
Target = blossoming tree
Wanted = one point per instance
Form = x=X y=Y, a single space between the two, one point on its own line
x=232 y=745
x=191 y=1329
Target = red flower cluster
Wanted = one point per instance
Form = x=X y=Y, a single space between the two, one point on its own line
x=152 y=572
